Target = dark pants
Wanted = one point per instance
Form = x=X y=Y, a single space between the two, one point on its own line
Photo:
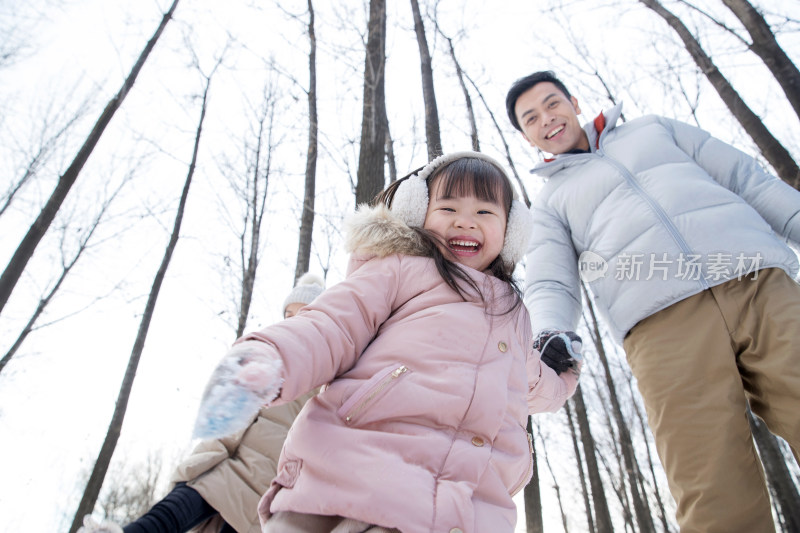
x=179 y=511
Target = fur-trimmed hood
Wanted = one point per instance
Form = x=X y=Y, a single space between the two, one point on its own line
x=377 y=232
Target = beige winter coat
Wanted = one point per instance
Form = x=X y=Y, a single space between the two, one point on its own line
x=233 y=472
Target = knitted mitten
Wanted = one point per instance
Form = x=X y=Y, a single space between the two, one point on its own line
x=561 y=350
x=243 y=381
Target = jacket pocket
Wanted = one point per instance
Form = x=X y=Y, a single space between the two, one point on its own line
x=527 y=477
x=370 y=391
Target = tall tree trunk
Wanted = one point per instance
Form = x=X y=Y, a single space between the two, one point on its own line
x=766 y=47
x=522 y=189
x=255 y=197
x=473 y=127
x=662 y=512
x=581 y=471
x=602 y=516
x=96 y=478
x=532 y=494
x=640 y=505
x=432 y=136
x=785 y=493
x=28 y=245
x=772 y=150
x=307 y=218
x=370 y=173
x=556 y=488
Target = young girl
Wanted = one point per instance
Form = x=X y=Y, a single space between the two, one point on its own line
x=427 y=354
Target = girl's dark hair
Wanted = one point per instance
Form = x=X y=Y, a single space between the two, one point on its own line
x=462 y=177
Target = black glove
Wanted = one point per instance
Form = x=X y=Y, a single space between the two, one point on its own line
x=561 y=350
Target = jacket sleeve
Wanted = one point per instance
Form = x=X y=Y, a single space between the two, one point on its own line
x=326 y=337
x=547 y=391
x=552 y=289
x=777 y=202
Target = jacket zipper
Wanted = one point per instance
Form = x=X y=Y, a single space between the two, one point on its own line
x=655 y=206
x=396 y=373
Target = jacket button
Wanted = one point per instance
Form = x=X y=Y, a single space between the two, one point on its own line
x=477 y=441
x=502 y=346
x=456 y=530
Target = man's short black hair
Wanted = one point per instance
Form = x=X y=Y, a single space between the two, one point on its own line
x=523 y=84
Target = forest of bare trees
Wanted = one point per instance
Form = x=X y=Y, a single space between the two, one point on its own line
x=169 y=169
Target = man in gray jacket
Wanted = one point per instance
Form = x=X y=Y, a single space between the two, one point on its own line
x=682 y=241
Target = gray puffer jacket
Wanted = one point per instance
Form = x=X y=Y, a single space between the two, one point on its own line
x=657 y=212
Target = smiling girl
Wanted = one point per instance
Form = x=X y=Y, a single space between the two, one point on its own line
x=425 y=353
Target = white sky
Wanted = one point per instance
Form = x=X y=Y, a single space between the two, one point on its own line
x=57 y=395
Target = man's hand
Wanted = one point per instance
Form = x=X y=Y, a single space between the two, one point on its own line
x=561 y=350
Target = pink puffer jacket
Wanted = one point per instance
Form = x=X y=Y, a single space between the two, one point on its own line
x=422 y=424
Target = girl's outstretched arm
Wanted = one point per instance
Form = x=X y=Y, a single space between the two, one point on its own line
x=286 y=360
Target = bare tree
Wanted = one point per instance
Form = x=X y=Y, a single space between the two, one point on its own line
x=98 y=474
x=134 y=489
x=602 y=516
x=764 y=44
x=581 y=471
x=510 y=160
x=432 y=135
x=772 y=150
x=662 y=513
x=307 y=218
x=473 y=127
x=251 y=186
x=56 y=125
x=640 y=504
x=557 y=489
x=532 y=495
x=784 y=491
x=26 y=248
x=67 y=263
x=370 y=173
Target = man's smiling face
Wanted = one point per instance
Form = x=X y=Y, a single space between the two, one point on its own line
x=549 y=120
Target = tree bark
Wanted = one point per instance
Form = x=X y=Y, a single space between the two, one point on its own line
x=473 y=127
x=96 y=478
x=772 y=150
x=602 y=516
x=373 y=127
x=532 y=495
x=640 y=505
x=28 y=245
x=307 y=217
x=587 y=504
x=432 y=135
x=784 y=492
x=766 y=47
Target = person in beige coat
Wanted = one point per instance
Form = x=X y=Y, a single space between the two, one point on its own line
x=217 y=488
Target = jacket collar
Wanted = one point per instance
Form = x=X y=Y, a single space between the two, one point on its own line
x=596 y=130
x=376 y=232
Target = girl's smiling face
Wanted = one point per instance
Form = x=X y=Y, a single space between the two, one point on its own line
x=473 y=230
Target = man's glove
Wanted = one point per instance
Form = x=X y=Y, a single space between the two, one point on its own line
x=561 y=350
